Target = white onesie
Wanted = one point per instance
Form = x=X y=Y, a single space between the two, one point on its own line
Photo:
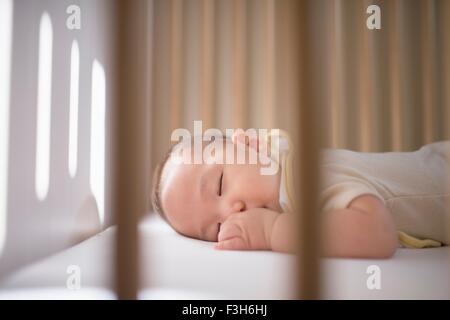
x=413 y=185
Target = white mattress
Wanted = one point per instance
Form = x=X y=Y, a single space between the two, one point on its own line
x=175 y=267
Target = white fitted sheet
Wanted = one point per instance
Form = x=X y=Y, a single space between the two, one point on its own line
x=176 y=267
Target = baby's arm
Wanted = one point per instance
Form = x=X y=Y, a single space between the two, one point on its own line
x=363 y=230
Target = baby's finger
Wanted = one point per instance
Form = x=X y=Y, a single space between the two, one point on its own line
x=228 y=231
x=254 y=143
x=231 y=244
x=239 y=136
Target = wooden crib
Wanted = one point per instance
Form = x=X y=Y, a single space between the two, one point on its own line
x=90 y=91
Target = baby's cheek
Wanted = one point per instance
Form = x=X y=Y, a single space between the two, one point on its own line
x=267 y=185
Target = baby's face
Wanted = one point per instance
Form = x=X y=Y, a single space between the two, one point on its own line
x=198 y=197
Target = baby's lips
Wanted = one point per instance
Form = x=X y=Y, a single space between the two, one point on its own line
x=228 y=231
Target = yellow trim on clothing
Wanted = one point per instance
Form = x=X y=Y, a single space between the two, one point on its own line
x=412 y=242
x=284 y=159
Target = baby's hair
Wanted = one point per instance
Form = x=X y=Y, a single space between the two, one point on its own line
x=157 y=178
x=156 y=184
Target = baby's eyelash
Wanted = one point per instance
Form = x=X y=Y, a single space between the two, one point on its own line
x=220 y=184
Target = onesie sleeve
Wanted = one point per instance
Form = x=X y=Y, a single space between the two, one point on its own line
x=340 y=185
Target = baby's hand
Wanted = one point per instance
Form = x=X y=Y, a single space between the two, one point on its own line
x=247 y=230
x=260 y=145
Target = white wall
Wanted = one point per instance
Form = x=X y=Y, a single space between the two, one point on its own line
x=37 y=224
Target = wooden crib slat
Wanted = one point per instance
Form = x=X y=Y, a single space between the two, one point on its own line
x=131 y=137
x=308 y=140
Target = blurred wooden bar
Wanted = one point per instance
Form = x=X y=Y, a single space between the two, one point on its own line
x=308 y=140
x=131 y=126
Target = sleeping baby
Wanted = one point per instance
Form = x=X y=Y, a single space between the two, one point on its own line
x=370 y=203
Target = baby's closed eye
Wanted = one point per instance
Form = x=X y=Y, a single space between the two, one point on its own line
x=220 y=184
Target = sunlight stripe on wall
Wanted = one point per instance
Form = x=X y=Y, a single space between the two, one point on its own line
x=98 y=127
x=73 y=117
x=44 y=107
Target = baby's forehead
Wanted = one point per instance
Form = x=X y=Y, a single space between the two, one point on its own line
x=178 y=193
x=186 y=161
x=175 y=166
x=179 y=180
x=198 y=152
x=181 y=167
x=202 y=143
